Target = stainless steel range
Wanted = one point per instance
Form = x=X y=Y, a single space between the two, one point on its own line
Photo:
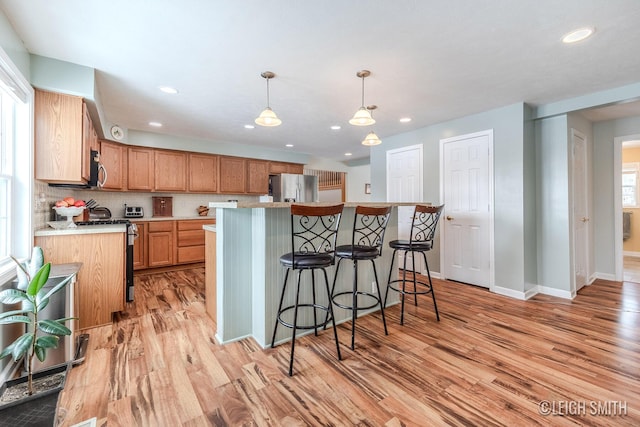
x=132 y=235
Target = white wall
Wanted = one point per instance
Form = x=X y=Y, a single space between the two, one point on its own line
x=357 y=177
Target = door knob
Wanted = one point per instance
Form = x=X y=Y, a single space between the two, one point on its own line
x=449 y=218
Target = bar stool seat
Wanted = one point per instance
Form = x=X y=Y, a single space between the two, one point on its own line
x=313 y=236
x=369 y=225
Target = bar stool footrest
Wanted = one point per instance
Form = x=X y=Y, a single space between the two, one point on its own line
x=314 y=306
x=411 y=292
x=363 y=293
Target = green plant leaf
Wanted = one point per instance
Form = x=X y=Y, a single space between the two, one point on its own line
x=53 y=327
x=14 y=319
x=18 y=348
x=58 y=287
x=42 y=304
x=50 y=341
x=13 y=296
x=38 y=281
x=41 y=353
x=13 y=313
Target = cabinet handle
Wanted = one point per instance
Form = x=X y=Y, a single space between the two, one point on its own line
x=449 y=218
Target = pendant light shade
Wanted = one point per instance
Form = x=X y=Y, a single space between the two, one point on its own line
x=362 y=117
x=268 y=116
x=371 y=140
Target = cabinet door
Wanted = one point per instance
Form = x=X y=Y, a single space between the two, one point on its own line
x=140 y=174
x=140 y=247
x=203 y=173
x=160 y=250
x=170 y=170
x=257 y=176
x=232 y=175
x=276 y=168
x=112 y=157
x=295 y=168
x=58 y=138
x=87 y=139
x=101 y=279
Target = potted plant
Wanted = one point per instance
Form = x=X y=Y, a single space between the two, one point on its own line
x=40 y=335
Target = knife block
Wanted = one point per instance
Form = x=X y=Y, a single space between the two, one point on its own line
x=162 y=206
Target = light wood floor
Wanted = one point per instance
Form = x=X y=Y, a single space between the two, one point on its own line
x=631 y=266
x=490 y=361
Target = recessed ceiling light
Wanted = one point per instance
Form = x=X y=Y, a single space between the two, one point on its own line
x=249 y=126
x=155 y=124
x=335 y=127
x=405 y=120
x=168 y=89
x=289 y=145
x=577 y=35
x=348 y=154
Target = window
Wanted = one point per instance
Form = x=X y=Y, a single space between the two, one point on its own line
x=16 y=167
x=630 y=185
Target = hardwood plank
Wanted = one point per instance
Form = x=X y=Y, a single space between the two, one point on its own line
x=489 y=361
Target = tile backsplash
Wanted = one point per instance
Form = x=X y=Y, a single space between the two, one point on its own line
x=184 y=205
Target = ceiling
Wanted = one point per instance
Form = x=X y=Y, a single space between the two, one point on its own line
x=430 y=60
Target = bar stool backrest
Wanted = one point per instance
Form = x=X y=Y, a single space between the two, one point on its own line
x=369 y=225
x=425 y=221
x=314 y=229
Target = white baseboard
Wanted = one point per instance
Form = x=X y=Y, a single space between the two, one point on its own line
x=605 y=276
x=555 y=292
x=508 y=292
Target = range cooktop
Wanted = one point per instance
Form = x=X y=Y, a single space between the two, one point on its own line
x=104 y=222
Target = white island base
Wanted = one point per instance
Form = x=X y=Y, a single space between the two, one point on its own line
x=248 y=281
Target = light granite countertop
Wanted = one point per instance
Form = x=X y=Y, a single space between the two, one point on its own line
x=239 y=205
x=86 y=229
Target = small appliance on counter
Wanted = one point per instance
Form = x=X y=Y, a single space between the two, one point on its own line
x=162 y=206
x=133 y=211
x=99 y=212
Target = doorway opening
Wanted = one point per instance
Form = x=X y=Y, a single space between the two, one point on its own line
x=628 y=209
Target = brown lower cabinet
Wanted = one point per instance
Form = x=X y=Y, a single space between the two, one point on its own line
x=166 y=243
x=101 y=279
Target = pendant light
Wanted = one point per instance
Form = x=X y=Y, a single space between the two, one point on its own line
x=268 y=117
x=371 y=139
x=362 y=117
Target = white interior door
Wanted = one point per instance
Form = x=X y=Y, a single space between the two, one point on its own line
x=580 y=210
x=466 y=190
x=404 y=184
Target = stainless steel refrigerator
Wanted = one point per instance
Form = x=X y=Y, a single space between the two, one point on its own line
x=289 y=187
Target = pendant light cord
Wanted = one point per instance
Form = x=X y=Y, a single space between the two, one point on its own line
x=268 y=105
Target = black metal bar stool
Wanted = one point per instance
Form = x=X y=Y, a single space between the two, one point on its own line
x=369 y=225
x=313 y=239
x=423 y=229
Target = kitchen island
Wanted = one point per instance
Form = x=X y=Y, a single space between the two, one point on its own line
x=249 y=238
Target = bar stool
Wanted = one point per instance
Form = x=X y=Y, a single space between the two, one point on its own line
x=313 y=239
x=423 y=229
x=369 y=225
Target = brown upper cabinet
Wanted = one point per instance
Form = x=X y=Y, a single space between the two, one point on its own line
x=276 y=168
x=257 y=176
x=113 y=157
x=170 y=170
x=140 y=169
x=233 y=175
x=203 y=173
x=64 y=137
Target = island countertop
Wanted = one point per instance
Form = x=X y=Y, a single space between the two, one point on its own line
x=233 y=205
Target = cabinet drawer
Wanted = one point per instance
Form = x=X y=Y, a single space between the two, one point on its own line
x=191 y=254
x=190 y=238
x=194 y=224
x=155 y=226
